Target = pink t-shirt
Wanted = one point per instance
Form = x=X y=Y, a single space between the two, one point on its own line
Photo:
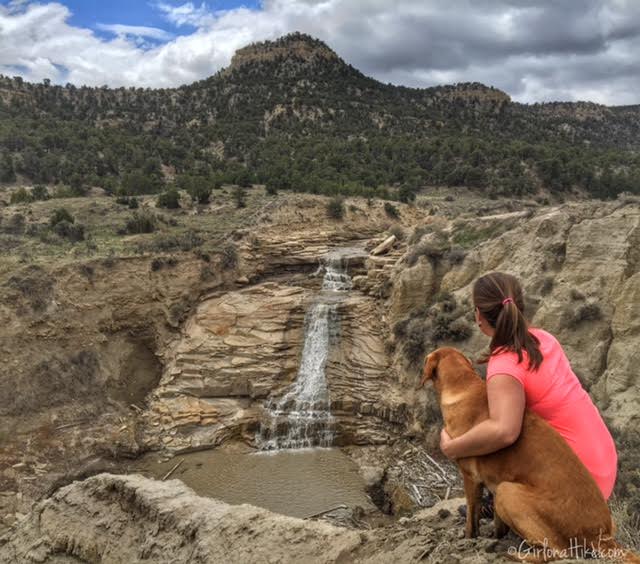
x=555 y=393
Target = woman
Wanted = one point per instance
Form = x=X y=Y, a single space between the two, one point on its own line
x=527 y=367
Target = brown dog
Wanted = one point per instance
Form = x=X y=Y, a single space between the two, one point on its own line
x=541 y=488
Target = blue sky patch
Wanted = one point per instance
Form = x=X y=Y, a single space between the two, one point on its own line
x=101 y=15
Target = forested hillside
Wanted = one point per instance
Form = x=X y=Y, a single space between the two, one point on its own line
x=292 y=115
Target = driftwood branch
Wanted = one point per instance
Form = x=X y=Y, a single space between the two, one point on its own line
x=172 y=470
x=69 y=425
x=436 y=464
x=339 y=506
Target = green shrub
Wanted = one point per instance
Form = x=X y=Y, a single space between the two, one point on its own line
x=59 y=215
x=391 y=210
x=15 y=225
x=455 y=256
x=406 y=194
x=585 y=312
x=400 y=328
x=446 y=301
x=169 y=199
x=62 y=192
x=204 y=257
x=40 y=192
x=558 y=251
x=576 y=294
x=130 y=202
x=546 y=286
x=433 y=250
x=443 y=296
x=20 y=196
x=447 y=329
x=206 y=272
x=467 y=236
x=240 y=197
x=271 y=189
x=139 y=182
x=159 y=263
x=335 y=208
x=418 y=233
x=413 y=346
x=35 y=285
x=198 y=187
x=164 y=243
x=397 y=231
x=229 y=256
x=66 y=230
x=86 y=270
x=35 y=229
x=141 y=222
x=244 y=179
x=428 y=325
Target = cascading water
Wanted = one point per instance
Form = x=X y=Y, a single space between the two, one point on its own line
x=302 y=418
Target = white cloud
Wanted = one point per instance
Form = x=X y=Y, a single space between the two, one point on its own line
x=136 y=31
x=187 y=14
x=584 y=49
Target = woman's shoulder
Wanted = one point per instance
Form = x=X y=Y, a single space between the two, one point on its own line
x=507 y=357
x=544 y=337
x=538 y=331
x=502 y=357
x=507 y=362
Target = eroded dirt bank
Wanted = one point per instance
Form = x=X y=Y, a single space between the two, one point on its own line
x=110 y=518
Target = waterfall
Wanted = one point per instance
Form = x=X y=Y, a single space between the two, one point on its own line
x=302 y=416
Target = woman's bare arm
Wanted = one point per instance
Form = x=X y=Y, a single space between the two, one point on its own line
x=506 y=411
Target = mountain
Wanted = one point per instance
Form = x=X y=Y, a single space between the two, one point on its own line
x=291 y=113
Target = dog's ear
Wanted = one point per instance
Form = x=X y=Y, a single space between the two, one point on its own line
x=430 y=367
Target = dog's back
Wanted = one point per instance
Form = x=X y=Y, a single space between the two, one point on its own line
x=542 y=459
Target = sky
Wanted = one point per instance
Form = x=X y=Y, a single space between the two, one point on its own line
x=536 y=51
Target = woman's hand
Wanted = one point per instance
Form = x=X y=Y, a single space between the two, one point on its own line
x=445 y=444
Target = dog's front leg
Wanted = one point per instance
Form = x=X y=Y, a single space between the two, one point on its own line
x=473 y=493
x=500 y=527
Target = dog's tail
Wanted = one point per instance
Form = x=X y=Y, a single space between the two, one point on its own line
x=609 y=548
x=630 y=557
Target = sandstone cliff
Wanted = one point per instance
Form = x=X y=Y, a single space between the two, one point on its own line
x=580 y=266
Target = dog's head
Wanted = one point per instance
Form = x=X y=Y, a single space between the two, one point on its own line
x=441 y=365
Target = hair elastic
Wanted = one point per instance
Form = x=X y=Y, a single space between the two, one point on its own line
x=507 y=301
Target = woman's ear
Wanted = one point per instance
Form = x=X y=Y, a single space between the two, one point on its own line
x=430 y=368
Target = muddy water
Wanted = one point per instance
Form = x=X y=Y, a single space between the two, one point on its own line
x=299 y=483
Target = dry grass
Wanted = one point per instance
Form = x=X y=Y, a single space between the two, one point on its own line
x=34 y=242
x=627 y=523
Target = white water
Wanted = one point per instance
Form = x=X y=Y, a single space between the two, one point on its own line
x=301 y=418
